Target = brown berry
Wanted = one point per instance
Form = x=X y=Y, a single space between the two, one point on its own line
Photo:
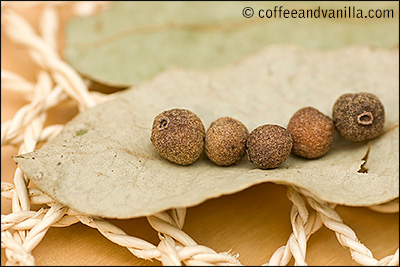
x=359 y=116
x=268 y=146
x=225 y=142
x=178 y=135
x=312 y=133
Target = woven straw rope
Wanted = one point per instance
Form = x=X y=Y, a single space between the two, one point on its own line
x=23 y=229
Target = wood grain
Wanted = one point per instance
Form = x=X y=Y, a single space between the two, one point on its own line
x=253 y=223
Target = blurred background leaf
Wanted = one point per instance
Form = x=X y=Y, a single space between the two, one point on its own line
x=133 y=41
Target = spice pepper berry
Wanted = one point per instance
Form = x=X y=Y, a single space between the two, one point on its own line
x=225 y=142
x=359 y=116
x=312 y=133
x=268 y=146
x=178 y=135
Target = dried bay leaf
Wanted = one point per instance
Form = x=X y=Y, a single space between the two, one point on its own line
x=103 y=162
x=133 y=41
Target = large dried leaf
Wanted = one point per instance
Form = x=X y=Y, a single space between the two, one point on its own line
x=133 y=41
x=103 y=162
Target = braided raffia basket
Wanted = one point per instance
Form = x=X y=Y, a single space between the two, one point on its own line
x=28 y=214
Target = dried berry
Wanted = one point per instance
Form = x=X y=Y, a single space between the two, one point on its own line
x=359 y=117
x=268 y=146
x=312 y=133
x=225 y=142
x=178 y=135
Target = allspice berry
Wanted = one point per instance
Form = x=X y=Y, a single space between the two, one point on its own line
x=268 y=146
x=225 y=142
x=312 y=133
x=178 y=135
x=359 y=116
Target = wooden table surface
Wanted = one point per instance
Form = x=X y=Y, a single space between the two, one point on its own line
x=253 y=223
